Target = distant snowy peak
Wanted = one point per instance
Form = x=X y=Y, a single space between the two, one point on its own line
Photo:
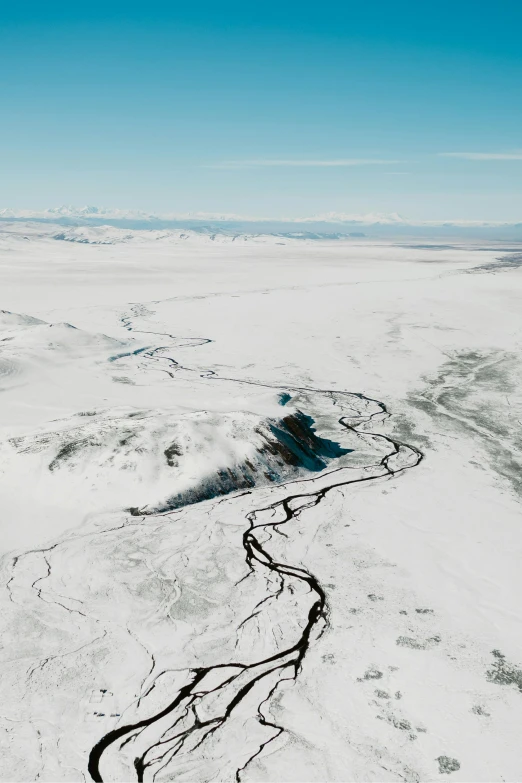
x=96 y=212
x=101 y=213
x=372 y=218
x=84 y=213
x=69 y=210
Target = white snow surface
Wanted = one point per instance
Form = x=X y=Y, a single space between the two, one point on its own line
x=368 y=626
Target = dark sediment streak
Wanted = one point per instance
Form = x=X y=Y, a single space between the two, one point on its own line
x=247 y=676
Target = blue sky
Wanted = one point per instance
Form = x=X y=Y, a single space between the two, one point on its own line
x=269 y=109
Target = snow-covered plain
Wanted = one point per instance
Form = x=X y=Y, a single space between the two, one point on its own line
x=260 y=508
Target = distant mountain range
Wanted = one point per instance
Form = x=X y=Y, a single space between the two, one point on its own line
x=332 y=224
x=340 y=218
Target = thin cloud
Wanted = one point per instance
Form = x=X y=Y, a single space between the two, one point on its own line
x=483 y=155
x=242 y=164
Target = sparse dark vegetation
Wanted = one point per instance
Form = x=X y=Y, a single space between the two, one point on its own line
x=503 y=672
x=447 y=765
